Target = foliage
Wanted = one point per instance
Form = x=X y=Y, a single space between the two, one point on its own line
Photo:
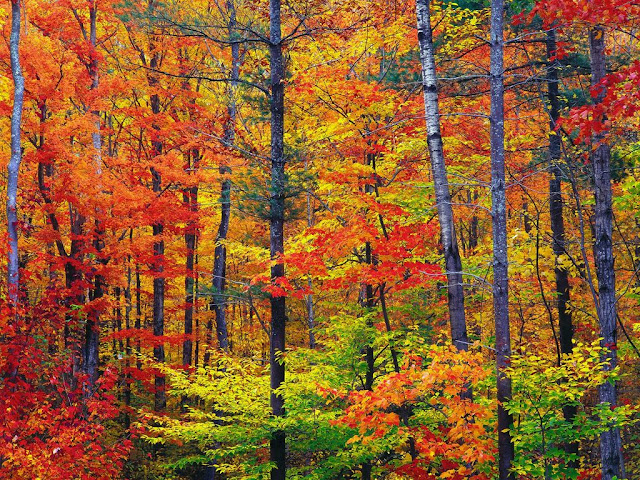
x=129 y=140
x=541 y=389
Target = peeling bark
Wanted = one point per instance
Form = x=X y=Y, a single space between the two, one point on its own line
x=453 y=263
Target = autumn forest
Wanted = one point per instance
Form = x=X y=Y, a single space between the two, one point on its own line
x=320 y=239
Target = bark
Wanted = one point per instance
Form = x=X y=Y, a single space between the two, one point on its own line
x=473 y=224
x=160 y=400
x=13 y=267
x=368 y=301
x=91 y=356
x=190 y=199
x=556 y=205
x=500 y=257
x=128 y=349
x=219 y=303
x=610 y=441
x=453 y=263
x=276 y=236
x=309 y=298
x=138 y=322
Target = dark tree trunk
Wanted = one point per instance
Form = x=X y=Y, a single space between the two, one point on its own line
x=556 y=206
x=473 y=224
x=453 y=264
x=276 y=224
x=309 y=297
x=500 y=258
x=128 y=350
x=160 y=400
x=610 y=441
x=13 y=267
x=368 y=302
x=190 y=199
x=76 y=296
x=187 y=345
x=219 y=303
x=138 y=322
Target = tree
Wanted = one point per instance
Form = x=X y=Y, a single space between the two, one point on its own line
x=276 y=242
x=13 y=268
x=499 y=223
x=610 y=441
x=556 y=211
x=220 y=255
x=453 y=264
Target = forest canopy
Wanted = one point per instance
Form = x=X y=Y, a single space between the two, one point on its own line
x=286 y=239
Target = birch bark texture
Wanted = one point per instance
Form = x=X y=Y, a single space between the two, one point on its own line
x=610 y=441
x=276 y=235
x=499 y=226
x=453 y=263
x=13 y=268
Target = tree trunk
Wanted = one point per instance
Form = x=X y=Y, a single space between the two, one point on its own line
x=311 y=321
x=138 y=322
x=76 y=296
x=556 y=206
x=500 y=258
x=128 y=350
x=92 y=329
x=219 y=303
x=610 y=441
x=13 y=268
x=160 y=400
x=368 y=302
x=276 y=224
x=190 y=199
x=453 y=264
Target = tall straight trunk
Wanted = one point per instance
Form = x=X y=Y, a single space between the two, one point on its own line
x=276 y=237
x=556 y=207
x=610 y=441
x=453 y=264
x=92 y=328
x=76 y=296
x=128 y=349
x=556 y=201
x=190 y=199
x=220 y=265
x=368 y=302
x=187 y=344
x=219 y=303
x=499 y=222
x=473 y=223
x=309 y=297
x=13 y=268
x=160 y=399
x=138 y=322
